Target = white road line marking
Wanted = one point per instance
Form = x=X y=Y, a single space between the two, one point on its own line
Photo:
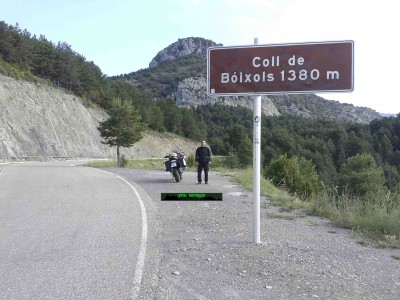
x=137 y=278
x=2 y=166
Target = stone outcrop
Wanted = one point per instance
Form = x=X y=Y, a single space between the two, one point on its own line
x=183 y=47
x=313 y=106
x=193 y=91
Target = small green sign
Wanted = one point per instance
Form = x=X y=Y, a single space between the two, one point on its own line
x=191 y=196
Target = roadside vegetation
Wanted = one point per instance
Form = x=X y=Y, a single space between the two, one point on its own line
x=137 y=163
x=375 y=215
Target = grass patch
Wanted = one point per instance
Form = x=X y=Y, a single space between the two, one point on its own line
x=311 y=223
x=378 y=222
x=376 y=239
x=146 y=164
x=277 y=197
x=14 y=71
x=137 y=163
x=280 y=216
x=102 y=164
x=396 y=257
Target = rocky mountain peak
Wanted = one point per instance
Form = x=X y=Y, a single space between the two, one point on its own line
x=188 y=88
x=183 y=47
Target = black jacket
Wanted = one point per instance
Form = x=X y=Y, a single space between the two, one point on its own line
x=203 y=155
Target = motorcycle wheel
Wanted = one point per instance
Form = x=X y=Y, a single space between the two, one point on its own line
x=176 y=175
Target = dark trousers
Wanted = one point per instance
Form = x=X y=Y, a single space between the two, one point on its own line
x=200 y=167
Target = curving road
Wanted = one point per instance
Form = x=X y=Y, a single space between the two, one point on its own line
x=69 y=232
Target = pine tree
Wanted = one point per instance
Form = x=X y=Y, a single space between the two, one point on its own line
x=123 y=128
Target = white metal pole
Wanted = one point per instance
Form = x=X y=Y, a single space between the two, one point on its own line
x=256 y=163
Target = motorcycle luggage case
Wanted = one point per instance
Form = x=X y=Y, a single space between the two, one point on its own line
x=167 y=166
x=182 y=161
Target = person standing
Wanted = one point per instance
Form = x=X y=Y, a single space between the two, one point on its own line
x=203 y=159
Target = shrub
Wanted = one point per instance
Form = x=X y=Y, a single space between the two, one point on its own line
x=190 y=161
x=124 y=161
x=297 y=175
x=232 y=161
x=360 y=175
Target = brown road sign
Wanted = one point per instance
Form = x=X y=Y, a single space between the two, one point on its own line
x=285 y=68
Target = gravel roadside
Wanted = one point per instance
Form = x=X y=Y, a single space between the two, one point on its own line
x=204 y=250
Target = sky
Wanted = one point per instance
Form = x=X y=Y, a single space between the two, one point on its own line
x=123 y=36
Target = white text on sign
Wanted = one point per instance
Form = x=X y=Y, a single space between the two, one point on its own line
x=274 y=61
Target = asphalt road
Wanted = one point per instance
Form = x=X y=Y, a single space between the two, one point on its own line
x=69 y=232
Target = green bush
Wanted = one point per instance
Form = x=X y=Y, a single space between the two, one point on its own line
x=361 y=176
x=231 y=161
x=245 y=153
x=297 y=175
x=124 y=161
x=190 y=161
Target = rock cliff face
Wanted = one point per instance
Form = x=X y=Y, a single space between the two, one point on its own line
x=183 y=47
x=192 y=92
x=312 y=106
x=37 y=120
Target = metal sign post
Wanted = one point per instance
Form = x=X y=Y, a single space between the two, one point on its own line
x=256 y=164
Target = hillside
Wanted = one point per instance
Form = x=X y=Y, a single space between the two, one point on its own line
x=38 y=120
x=179 y=72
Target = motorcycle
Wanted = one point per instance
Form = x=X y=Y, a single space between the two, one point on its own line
x=175 y=164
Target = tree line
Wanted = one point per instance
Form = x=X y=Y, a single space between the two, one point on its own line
x=58 y=63
x=327 y=144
